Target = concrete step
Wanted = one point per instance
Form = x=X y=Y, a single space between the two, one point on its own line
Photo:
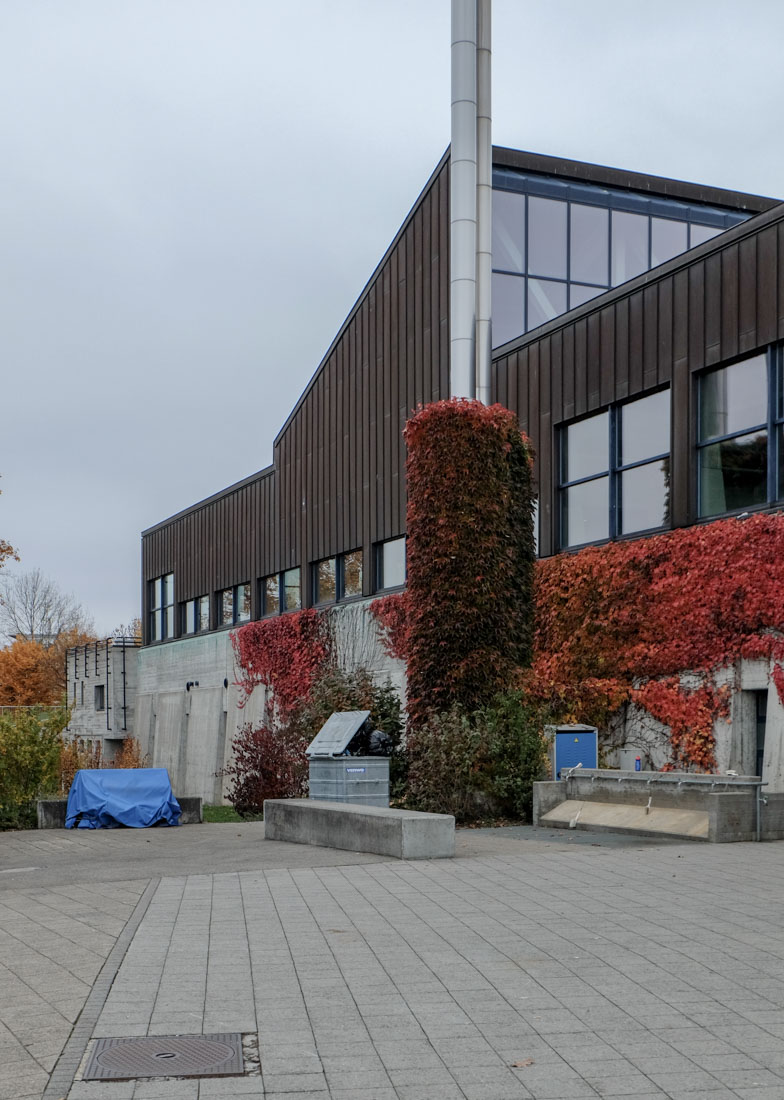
x=619 y=817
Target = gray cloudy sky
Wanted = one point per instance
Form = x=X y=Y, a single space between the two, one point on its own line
x=194 y=192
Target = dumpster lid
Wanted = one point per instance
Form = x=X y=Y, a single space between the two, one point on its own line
x=337 y=733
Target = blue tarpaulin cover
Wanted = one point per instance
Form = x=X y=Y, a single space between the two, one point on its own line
x=108 y=798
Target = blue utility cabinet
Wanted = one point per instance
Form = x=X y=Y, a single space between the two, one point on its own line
x=573 y=745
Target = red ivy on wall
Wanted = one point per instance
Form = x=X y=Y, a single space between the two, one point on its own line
x=285 y=653
x=470 y=554
x=621 y=621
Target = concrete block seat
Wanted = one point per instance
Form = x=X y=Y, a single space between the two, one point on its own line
x=402 y=834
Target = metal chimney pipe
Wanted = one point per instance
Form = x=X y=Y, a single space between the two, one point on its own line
x=462 y=196
x=484 y=203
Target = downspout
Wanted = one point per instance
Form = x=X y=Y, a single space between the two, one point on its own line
x=484 y=202
x=463 y=203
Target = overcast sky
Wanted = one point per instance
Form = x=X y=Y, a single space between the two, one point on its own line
x=194 y=192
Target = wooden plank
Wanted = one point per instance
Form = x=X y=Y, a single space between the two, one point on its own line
x=747 y=295
x=650 y=336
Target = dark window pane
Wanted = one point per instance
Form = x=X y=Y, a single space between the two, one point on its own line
x=629 y=246
x=393 y=563
x=243 y=602
x=271 y=595
x=547 y=238
x=586 y=512
x=645 y=428
x=204 y=613
x=587 y=447
x=701 y=233
x=227 y=606
x=190 y=617
x=545 y=301
x=589 y=244
x=668 y=239
x=645 y=493
x=508 y=308
x=352 y=573
x=508 y=231
x=581 y=294
x=733 y=474
x=734 y=398
x=325 y=581
x=291 y=590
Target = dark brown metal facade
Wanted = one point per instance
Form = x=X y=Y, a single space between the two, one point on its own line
x=337 y=481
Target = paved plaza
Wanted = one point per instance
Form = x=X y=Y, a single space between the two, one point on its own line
x=534 y=964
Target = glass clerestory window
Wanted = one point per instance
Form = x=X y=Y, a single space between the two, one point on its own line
x=281 y=592
x=739 y=435
x=615 y=472
x=162 y=608
x=556 y=244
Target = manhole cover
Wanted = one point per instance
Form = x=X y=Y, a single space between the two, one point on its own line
x=165 y=1056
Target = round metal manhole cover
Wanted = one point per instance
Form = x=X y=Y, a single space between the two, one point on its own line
x=165 y=1056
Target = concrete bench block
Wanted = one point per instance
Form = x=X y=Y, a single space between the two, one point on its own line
x=402 y=834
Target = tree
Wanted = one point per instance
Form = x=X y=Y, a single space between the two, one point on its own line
x=129 y=631
x=32 y=674
x=32 y=607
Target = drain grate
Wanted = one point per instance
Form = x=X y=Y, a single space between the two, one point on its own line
x=165 y=1056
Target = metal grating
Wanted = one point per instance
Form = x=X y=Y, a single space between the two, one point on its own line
x=165 y=1056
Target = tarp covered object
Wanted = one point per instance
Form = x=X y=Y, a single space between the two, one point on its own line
x=108 y=798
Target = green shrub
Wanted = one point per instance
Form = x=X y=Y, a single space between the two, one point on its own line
x=478 y=765
x=30 y=746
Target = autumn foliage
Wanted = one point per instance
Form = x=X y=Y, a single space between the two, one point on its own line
x=470 y=548
x=32 y=674
x=284 y=654
x=622 y=622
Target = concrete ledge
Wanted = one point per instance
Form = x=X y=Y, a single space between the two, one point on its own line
x=402 y=834
x=51 y=812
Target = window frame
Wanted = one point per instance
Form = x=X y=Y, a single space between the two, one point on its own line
x=235 y=605
x=199 y=625
x=340 y=578
x=280 y=579
x=166 y=582
x=613 y=472
x=773 y=427
x=378 y=570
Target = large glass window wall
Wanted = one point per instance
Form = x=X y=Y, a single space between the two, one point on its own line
x=556 y=245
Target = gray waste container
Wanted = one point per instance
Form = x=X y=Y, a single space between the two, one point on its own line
x=363 y=780
x=335 y=775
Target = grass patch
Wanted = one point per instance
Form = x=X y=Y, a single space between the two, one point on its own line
x=221 y=814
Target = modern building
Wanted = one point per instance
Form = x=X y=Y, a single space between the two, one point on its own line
x=637 y=329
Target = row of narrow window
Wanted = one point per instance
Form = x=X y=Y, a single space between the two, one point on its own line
x=334 y=579
x=614 y=481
